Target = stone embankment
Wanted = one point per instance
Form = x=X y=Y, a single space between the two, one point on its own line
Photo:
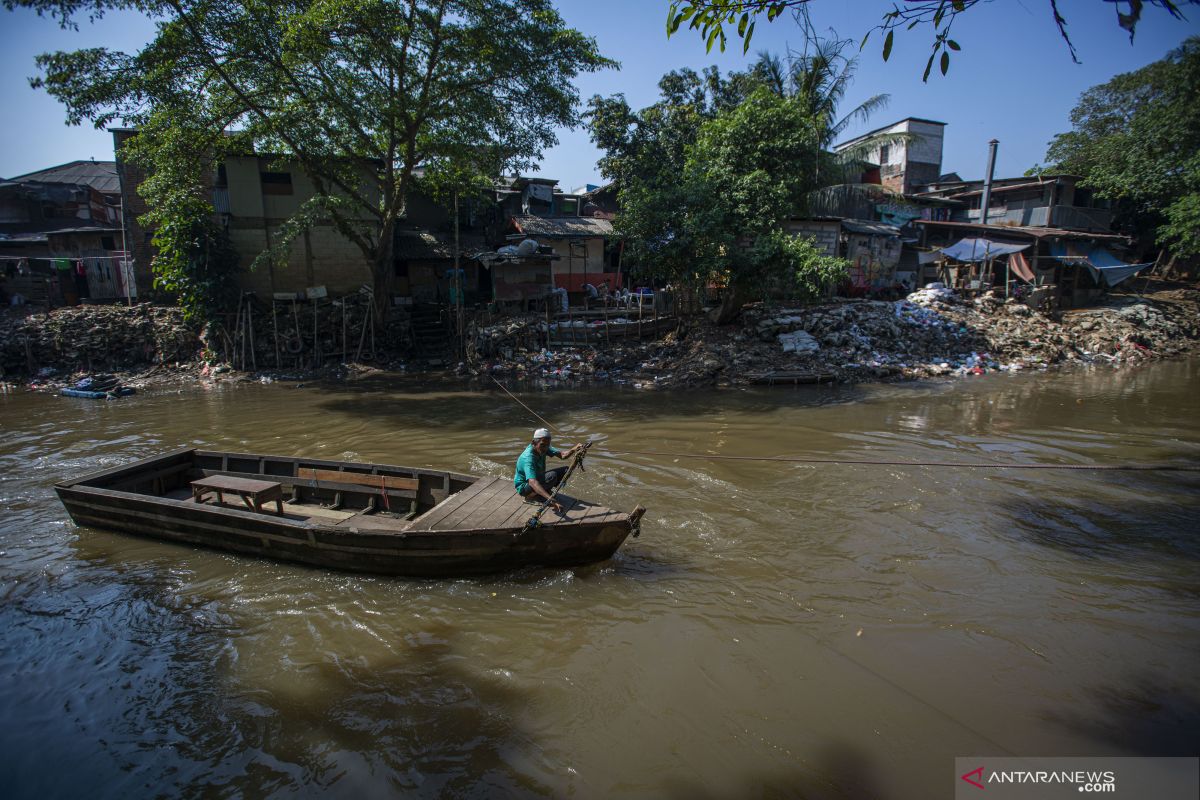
x=931 y=333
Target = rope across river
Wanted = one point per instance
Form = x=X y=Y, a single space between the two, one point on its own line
x=870 y=461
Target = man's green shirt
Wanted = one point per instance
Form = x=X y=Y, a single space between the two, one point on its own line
x=531 y=465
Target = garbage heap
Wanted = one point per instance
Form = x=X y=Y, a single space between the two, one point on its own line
x=506 y=338
x=931 y=332
x=94 y=338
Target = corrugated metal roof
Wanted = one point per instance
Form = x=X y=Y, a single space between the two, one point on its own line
x=1035 y=232
x=563 y=227
x=100 y=175
x=422 y=244
x=871 y=228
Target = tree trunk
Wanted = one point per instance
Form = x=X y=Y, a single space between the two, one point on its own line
x=384 y=274
x=736 y=296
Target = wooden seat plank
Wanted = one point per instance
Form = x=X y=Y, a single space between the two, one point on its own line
x=360 y=478
x=253 y=492
x=436 y=514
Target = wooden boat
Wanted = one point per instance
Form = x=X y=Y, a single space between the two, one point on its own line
x=344 y=515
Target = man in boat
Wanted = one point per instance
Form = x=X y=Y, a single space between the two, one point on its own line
x=531 y=479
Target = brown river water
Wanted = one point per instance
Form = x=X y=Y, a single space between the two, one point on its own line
x=778 y=630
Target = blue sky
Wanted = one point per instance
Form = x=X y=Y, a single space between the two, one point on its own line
x=1013 y=81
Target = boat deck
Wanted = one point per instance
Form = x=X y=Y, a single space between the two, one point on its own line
x=493 y=504
x=487 y=504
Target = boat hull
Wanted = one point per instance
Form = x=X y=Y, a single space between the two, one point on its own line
x=418 y=553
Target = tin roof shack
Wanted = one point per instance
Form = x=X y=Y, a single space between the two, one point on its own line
x=1054 y=258
x=581 y=244
x=873 y=248
x=424 y=264
x=520 y=282
x=59 y=242
x=600 y=202
x=1046 y=201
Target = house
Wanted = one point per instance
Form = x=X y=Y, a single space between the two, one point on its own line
x=1044 y=201
x=60 y=235
x=1051 y=257
x=253 y=195
x=913 y=158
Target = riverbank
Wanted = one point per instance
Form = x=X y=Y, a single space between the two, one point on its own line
x=931 y=333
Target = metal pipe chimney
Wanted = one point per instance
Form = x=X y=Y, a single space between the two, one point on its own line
x=987 y=182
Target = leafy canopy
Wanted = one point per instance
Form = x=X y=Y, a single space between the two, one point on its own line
x=706 y=176
x=358 y=93
x=1136 y=140
x=709 y=18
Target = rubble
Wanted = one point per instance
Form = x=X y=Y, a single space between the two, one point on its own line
x=932 y=332
x=95 y=338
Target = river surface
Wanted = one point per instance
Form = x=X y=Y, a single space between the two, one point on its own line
x=777 y=630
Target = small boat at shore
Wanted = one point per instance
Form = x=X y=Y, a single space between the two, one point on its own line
x=344 y=515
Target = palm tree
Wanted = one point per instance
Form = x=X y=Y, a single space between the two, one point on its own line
x=819 y=80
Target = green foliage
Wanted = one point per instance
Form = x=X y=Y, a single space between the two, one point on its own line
x=1181 y=232
x=796 y=267
x=707 y=175
x=709 y=19
x=1136 y=141
x=357 y=93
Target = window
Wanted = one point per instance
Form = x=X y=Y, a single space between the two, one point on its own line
x=884 y=153
x=108 y=243
x=401 y=268
x=222 y=176
x=276 y=182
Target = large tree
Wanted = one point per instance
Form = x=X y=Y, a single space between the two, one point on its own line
x=1136 y=141
x=706 y=176
x=358 y=93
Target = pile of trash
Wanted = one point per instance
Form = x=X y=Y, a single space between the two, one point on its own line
x=108 y=337
x=932 y=332
x=506 y=338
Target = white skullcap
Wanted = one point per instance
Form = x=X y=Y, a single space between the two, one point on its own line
x=541 y=433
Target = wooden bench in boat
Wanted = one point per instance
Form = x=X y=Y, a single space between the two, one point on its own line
x=253 y=493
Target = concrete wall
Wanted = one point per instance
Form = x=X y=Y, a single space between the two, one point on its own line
x=592 y=262
x=137 y=238
x=320 y=257
x=826 y=233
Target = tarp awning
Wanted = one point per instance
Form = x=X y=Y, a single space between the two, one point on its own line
x=1106 y=268
x=980 y=249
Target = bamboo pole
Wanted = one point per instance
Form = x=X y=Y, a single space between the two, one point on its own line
x=250 y=325
x=275 y=330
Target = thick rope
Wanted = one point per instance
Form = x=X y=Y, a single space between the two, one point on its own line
x=527 y=408
x=878 y=462
x=889 y=463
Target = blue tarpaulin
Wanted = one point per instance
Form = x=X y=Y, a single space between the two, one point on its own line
x=980 y=249
x=1106 y=268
